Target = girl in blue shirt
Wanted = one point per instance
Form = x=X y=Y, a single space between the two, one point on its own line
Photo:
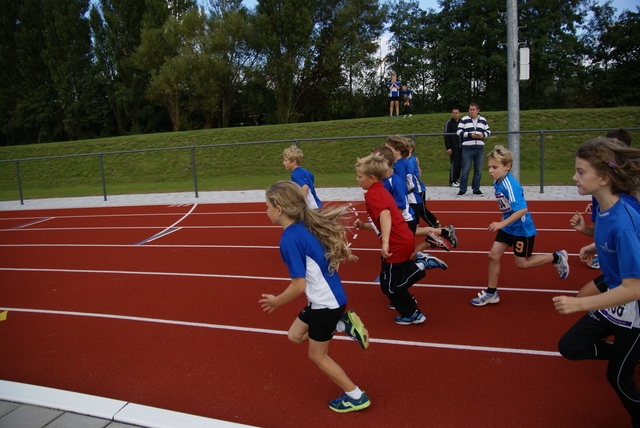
x=312 y=246
x=605 y=169
x=515 y=229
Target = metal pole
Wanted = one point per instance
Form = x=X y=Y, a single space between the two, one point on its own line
x=193 y=170
x=19 y=182
x=513 y=92
x=104 y=182
x=541 y=161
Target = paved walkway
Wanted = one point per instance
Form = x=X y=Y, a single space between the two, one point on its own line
x=532 y=193
x=32 y=406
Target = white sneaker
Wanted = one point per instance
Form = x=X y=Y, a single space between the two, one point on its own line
x=563 y=264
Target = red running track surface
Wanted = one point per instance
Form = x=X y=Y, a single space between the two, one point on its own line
x=98 y=304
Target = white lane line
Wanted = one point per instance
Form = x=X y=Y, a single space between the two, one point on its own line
x=283 y=333
x=169 y=229
x=266 y=278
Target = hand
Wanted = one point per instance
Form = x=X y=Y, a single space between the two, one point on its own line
x=449 y=151
x=385 y=250
x=358 y=224
x=587 y=253
x=268 y=303
x=567 y=305
x=577 y=221
x=495 y=226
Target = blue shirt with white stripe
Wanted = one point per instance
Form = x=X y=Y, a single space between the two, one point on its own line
x=305 y=258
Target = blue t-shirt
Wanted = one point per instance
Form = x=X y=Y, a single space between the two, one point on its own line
x=415 y=169
x=630 y=200
x=510 y=197
x=305 y=258
x=301 y=176
x=617 y=238
x=402 y=168
x=395 y=90
x=395 y=185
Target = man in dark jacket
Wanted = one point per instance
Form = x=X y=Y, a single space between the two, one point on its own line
x=452 y=145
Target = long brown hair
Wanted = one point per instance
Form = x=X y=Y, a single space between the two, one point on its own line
x=327 y=224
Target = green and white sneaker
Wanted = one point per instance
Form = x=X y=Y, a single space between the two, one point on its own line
x=344 y=403
x=355 y=328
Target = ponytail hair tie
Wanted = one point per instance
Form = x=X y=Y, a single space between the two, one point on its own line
x=612 y=164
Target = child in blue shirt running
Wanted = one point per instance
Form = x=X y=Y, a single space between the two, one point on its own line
x=312 y=246
x=515 y=229
x=292 y=159
x=605 y=169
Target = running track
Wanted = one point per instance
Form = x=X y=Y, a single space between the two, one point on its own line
x=158 y=305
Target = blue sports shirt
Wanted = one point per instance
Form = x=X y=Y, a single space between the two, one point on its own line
x=305 y=258
x=301 y=176
x=510 y=197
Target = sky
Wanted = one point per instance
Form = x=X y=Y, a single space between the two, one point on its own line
x=433 y=4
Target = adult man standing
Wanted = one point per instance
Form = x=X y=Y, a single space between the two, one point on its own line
x=452 y=145
x=472 y=129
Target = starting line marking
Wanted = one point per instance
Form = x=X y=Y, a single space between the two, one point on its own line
x=284 y=333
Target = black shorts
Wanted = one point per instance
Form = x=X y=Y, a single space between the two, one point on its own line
x=522 y=245
x=322 y=322
x=394 y=98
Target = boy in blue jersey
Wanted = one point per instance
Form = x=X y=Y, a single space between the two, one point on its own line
x=292 y=159
x=516 y=228
x=606 y=170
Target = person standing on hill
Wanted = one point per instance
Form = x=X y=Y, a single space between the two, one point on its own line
x=394 y=87
x=452 y=145
x=472 y=130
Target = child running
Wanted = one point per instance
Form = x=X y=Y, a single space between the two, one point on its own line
x=406 y=168
x=605 y=169
x=516 y=228
x=292 y=159
x=312 y=246
x=398 y=271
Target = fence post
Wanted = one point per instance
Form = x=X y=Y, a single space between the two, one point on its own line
x=19 y=182
x=541 y=161
x=104 y=183
x=193 y=169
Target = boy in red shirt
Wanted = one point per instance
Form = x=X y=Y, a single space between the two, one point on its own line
x=398 y=271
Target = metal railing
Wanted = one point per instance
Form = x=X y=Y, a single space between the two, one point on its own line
x=297 y=142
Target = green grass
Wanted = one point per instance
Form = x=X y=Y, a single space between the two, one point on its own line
x=255 y=166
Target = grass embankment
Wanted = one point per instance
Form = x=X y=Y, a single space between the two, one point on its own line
x=255 y=166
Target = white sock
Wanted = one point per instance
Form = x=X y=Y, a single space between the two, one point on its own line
x=356 y=394
x=341 y=327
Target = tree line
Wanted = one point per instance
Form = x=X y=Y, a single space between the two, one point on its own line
x=77 y=69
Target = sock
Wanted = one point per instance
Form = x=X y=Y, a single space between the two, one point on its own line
x=491 y=290
x=356 y=394
x=556 y=258
x=341 y=327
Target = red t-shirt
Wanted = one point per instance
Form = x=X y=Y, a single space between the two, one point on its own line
x=401 y=239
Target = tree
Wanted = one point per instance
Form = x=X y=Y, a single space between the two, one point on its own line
x=67 y=56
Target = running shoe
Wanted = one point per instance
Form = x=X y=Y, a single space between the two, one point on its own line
x=355 y=328
x=453 y=238
x=594 y=263
x=430 y=262
x=392 y=306
x=478 y=192
x=563 y=264
x=436 y=241
x=417 y=318
x=344 y=403
x=485 y=298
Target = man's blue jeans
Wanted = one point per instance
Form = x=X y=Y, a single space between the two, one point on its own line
x=471 y=154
